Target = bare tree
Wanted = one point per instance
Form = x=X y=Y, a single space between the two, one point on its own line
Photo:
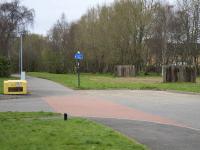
x=12 y=16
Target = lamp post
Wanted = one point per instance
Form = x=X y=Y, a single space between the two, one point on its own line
x=21 y=32
x=21 y=55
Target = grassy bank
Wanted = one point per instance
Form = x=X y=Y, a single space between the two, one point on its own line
x=97 y=81
x=48 y=131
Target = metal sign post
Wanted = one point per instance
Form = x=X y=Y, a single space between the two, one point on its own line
x=78 y=70
x=78 y=56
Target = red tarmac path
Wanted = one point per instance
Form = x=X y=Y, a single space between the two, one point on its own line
x=89 y=106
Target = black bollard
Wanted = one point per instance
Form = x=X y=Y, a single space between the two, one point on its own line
x=65 y=116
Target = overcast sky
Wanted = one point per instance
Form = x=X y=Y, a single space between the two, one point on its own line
x=47 y=12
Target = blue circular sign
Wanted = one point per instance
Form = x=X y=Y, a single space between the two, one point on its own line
x=78 y=56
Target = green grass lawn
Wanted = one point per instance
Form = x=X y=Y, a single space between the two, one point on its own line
x=98 y=81
x=48 y=131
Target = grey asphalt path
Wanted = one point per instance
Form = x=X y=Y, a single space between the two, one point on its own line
x=179 y=107
x=24 y=105
x=182 y=108
x=42 y=88
x=156 y=136
x=33 y=102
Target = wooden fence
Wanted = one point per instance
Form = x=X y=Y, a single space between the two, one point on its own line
x=179 y=73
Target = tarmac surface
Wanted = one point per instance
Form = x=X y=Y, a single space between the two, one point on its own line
x=159 y=119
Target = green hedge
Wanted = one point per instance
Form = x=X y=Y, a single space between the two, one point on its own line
x=5 y=67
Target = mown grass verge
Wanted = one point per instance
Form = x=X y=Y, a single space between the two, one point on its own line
x=98 y=81
x=48 y=131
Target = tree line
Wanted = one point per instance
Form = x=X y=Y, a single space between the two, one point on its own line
x=14 y=18
x=144 y=33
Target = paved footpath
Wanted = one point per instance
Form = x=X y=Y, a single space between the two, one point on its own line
x=160 y=120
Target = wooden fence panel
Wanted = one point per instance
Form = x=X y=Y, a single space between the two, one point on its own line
x=179 y=73
x=125 y=71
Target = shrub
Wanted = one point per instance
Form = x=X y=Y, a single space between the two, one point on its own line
x=4 y=67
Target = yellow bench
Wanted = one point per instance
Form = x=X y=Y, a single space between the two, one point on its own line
x=15 y=87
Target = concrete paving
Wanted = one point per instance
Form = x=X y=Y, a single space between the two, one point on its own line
x=160 y=120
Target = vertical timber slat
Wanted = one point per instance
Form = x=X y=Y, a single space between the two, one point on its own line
x=125 y=71
x=179 y=73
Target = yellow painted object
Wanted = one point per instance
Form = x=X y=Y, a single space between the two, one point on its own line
x=15 y=87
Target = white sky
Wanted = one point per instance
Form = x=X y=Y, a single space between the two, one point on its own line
x=47 y=12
